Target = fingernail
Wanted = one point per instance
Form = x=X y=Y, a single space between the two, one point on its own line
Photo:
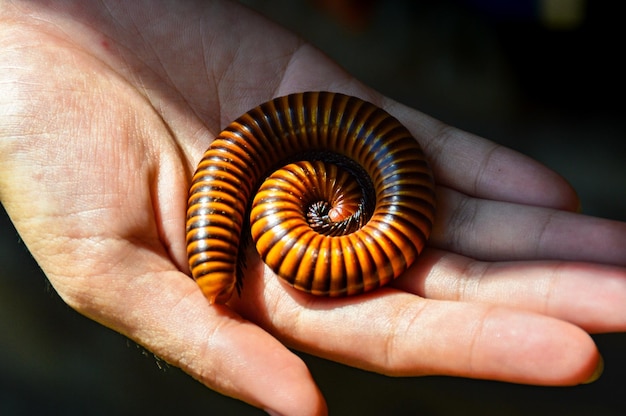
x=597 y=373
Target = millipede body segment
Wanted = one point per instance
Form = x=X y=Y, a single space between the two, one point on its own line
x=335 y=192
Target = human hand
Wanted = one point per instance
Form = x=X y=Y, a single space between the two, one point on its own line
x=106 y=110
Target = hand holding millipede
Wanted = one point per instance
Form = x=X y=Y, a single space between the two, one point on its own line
x=363 y=146
x=107 y=107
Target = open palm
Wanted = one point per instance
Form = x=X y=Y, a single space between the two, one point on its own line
x=105 y=109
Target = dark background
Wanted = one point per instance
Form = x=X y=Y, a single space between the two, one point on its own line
x=499 y=69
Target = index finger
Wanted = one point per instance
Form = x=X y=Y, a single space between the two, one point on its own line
x=397 y=333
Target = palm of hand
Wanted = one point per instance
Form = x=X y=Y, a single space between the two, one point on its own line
x=116 y=106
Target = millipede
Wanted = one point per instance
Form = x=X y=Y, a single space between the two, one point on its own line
x=334 y=192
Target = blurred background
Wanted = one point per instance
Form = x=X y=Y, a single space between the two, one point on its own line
x=545 y=77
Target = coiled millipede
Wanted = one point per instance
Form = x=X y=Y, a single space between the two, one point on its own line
x=350 y=211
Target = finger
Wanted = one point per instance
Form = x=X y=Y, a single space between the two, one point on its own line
x=167 y=313
x=492 y=230
x=589 y=295
x=484 y=169
x=400 y=334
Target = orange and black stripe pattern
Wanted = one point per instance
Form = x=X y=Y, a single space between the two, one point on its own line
x=337 y=194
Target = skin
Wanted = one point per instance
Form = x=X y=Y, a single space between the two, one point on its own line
x=107 y=106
